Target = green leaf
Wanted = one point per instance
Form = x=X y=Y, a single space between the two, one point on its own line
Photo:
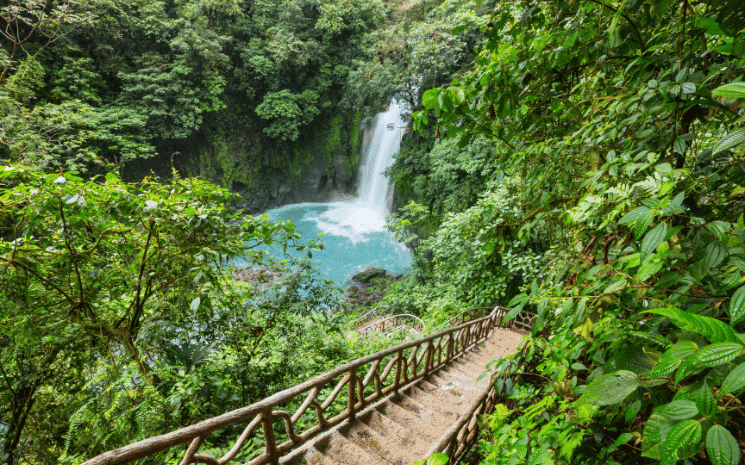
x=623 y=438
x=716 y=252
x=734 y=381
x=733 y=139
x=678 y=410
x=642 y=224
x=195 y=304
x=705 y=402
x=721 y=446
x=681 y=350
x=688 y=87
x=685 y=433
x=430 y=99
x=732 y=90
x=438 y=458
x=711 y=328
x=654 y=238
x=664 y=368
x=719 y=353
x=736 y=309
x=518 y=299
x=609 y=389
x=655 y=433
x=634 y=215
x=718 y=229
x=649 y=269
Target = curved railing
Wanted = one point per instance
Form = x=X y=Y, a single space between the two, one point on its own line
x=360 y=382
x=365 y=317
x=524 y=321
x=459 y=438
x=387 y=325
x=462 y=317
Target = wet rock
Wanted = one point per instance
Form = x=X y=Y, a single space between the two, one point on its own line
x=368 y=274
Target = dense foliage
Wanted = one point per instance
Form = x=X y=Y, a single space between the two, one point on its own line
x=223 y=88
x=113 y=298
x=616 y=215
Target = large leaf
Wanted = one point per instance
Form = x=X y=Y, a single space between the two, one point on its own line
x=609 y=389
x=734 y=381
x=716 y=252
x=654 y=238
x=711 y=328
x=733 y=139
x=705 y=401
x=719 y=353
x=736 y=308
x=686 y=433
x=721 y=446
x=678 y=410
x=634 y=215
x=655 y=433
x=732 y=90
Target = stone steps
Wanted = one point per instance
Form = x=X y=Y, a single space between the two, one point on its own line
x=402 y=428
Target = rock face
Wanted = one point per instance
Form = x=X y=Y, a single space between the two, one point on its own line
x=368 y=274
x=320 y=181
x=362 y=294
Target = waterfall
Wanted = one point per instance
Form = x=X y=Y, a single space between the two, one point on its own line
x=366 y=213
x=354 y=230
x=387 y=134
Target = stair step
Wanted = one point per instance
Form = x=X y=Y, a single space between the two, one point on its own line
x=391 y=448
x=445 y=398
x=409 y=421
x=341 y=450
x=425 y=410
x=312 y=456
x=389 y=428
x=453 y=379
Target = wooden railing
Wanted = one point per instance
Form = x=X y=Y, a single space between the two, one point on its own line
x=459 y=438
x=461 y=318
x=524 y=321
x=392 y=322
x=365 y=317
x=360 y=382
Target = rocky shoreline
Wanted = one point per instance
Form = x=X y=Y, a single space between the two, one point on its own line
x=367 y=288
x=364 y=289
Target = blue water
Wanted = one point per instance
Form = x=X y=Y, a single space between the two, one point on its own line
x=354 y=238
x=354 y=232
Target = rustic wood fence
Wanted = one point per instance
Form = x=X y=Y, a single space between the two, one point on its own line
x=389 y=324
x=360 y=383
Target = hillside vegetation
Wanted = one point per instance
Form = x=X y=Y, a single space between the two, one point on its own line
x=612 y=207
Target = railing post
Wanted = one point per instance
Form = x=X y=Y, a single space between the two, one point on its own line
x=428 y=358
x=351 y=388
x=449 y=350
x=269 y=441
x=397 y=375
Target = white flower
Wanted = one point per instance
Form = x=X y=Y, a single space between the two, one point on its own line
x=60 y=180
x=151 y=205
x=9 y=168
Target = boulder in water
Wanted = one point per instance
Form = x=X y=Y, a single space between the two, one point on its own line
x=368 y=274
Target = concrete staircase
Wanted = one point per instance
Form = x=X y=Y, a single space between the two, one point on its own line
x=401 y=429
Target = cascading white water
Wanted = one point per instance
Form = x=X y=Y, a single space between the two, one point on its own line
x=365 y=214
x=354 y=230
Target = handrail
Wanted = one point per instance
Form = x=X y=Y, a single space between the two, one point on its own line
x=524 y=321
x=391 y=322
x=365 y=317
x=407 y=363
x=461 y=317
x=458 y=439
